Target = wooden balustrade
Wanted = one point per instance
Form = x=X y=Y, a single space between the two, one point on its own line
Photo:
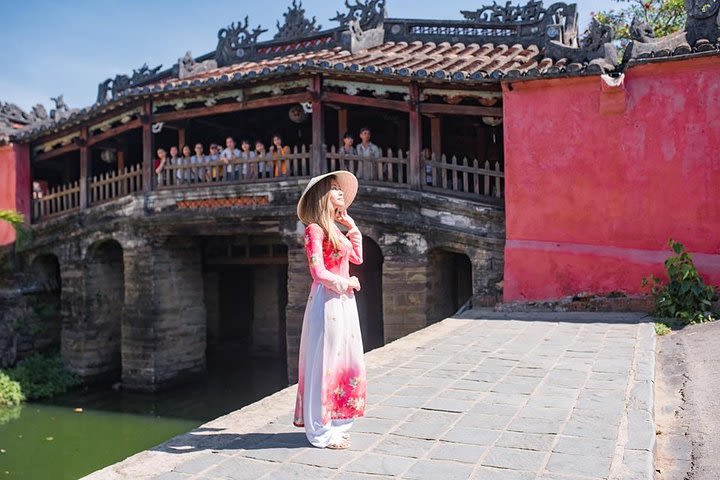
x=464 y=176
x=111 y=185
x=62 y=199
x=390 y=168
x=267 y=167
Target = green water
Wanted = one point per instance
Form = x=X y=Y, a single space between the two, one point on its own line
x=50 y=441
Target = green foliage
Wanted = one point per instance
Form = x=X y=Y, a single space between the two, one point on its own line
x=42 y=376
x=13 y=218
x=663 y=16
x=685 y=296
x=662 y=329
x=10 y=392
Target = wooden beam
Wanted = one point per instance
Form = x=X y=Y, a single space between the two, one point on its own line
x=333 y=97
x=435 y=137
x=147 y=145
x=57 y=152
x=415 y=136
x=472 y=110
x=233 y=107
x=342 y=124
x=114 y=131
x=318 y=127
x=85 y=167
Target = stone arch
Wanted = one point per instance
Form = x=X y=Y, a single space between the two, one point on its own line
x=104 y=303
x=449 y=282
x=46 y=302
x=370 y=297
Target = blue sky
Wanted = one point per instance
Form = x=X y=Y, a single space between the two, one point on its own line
x=48 y=47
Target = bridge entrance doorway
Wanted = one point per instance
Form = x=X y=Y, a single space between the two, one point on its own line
x=449 y=283
x=245 y=292
x=45 y=302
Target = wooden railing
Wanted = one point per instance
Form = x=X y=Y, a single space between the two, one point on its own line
x=463 y=176
x=111 y=185
x=267 y=167
x=384 y=169
x=62 y=199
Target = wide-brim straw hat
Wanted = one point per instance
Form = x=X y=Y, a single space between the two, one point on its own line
x=348 y=184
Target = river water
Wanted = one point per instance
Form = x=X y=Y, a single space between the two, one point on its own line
x=51 y=441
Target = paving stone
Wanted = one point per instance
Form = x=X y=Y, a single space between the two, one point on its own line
x=295 y=471
x=590 y=466
x=514 y=459
x=239 y=468
x=478 y=420
x=404 y=446
x=379 y=464
x=435 y=469
x=172 y=476
x=541 y=442
x=362 y=441
x=325 y=457
x=457 y=452
x=449 y=405
x=374 y=425
x=429 y=431
x=535 y=425
x=492 y=473
x=413 y=402
x=585 y=446
x=199 y=463
x=471 y=436
x=388 y=413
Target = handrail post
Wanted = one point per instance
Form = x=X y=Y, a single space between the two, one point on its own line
x=85 y=168
x=415 y=136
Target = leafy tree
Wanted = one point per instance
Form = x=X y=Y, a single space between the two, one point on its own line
x=662 y=16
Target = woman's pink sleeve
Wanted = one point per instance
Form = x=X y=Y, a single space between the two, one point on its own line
x=313 y=246
x=356 y=256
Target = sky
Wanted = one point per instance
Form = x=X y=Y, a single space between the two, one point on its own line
x=49 y=47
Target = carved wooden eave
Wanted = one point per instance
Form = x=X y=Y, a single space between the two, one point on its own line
x=56 y=142
x=117 y=120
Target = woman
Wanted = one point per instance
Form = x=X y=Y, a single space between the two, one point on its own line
x=331 y=367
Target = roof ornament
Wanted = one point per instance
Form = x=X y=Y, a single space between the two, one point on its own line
x=367 y=14
x=187 y=66
x=296 y=25
x=234 y=40
x=596 y=49
x=641 y=31
x=111 y=88
x=532 y=12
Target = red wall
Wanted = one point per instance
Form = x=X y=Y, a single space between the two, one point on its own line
x=592 y=198
x=14 y=185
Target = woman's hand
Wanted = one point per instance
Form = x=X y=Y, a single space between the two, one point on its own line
x=344 y=219
x=354 y=283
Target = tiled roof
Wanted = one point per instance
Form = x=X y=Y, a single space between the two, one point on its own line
x=416 y=60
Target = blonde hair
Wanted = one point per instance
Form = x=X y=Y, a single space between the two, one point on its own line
x=317 y=208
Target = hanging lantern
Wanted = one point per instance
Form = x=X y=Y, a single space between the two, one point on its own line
x=297 y=114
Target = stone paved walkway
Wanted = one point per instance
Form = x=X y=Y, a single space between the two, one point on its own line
x=485 y=396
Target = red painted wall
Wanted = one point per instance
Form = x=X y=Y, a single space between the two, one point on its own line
x=14 y=185
x=592 y=198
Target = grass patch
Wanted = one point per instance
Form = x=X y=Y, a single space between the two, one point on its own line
x=662 y=329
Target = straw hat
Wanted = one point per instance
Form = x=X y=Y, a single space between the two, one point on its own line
x=348 y=184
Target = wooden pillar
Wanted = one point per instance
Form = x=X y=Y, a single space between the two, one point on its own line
x=181 y=139
x=435 y=138
x=342 y=125
x=85 y=168
x=415 y=136
x=147 y=140
x=318 y=128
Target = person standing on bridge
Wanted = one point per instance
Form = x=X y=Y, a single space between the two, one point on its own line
x=332 y=383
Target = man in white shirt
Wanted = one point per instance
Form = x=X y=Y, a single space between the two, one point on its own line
x=231 y=154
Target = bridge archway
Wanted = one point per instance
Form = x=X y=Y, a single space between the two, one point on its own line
x=370 y=297
x=105 y=299
x=449 y=282
x=46 y=302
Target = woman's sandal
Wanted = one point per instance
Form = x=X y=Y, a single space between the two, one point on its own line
x=342 y=445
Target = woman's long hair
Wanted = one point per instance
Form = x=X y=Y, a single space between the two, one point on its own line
x=318 y=209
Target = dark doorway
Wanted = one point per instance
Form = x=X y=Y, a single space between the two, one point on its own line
x=449 y=283
x=369 y=299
